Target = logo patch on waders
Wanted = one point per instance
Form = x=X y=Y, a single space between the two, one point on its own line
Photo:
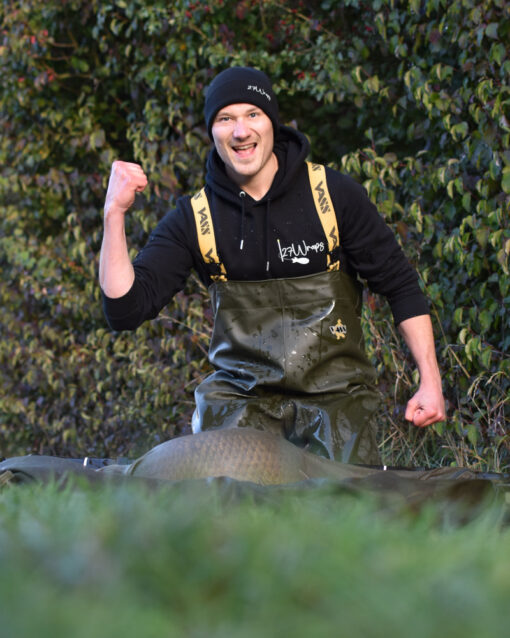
x=339 y=330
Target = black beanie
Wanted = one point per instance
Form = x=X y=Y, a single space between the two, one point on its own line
x=240 y=85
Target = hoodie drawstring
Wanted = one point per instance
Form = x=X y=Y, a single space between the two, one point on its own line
x=242 y=195
x=268 y=204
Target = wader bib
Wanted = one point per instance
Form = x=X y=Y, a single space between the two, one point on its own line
x=289 y=353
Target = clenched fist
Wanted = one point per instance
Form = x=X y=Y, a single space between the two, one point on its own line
x=126 y=179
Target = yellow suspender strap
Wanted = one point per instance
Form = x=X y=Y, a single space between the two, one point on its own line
x=325 y=210
x=205 y=233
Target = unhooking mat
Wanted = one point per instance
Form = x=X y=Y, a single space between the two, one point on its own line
x=258 y=458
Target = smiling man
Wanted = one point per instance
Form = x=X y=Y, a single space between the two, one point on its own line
x=244 y=139
x=282 y=243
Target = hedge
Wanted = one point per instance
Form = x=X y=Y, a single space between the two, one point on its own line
x=410 y=98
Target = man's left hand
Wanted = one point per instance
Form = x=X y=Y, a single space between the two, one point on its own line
x=426 y=407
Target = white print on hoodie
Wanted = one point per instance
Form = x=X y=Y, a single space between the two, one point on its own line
x=297 y=253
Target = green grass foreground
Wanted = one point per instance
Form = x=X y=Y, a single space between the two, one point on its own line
x=202 y=561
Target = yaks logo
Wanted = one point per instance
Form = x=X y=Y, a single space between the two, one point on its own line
x=204 y=222
x=339 y=330
x=323 y=200
x=252 y=87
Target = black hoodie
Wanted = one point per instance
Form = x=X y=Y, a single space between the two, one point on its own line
x=278 y=236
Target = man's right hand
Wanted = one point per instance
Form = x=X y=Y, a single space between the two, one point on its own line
x=126 y=179
x=116 y=274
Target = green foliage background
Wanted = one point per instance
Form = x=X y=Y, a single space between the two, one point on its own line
x=411 y=98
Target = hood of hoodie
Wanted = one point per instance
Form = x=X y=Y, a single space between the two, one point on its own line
x=291 y=149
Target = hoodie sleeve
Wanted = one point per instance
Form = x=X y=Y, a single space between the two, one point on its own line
x=161 y=269
x=373 y=251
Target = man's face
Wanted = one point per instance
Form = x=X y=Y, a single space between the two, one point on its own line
x=243 y=136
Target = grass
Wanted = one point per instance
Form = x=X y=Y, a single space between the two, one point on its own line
x=207 y=560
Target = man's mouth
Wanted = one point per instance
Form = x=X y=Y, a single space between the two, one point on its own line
x=244 y=149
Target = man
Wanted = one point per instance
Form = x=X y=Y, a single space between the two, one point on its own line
x=281 y=242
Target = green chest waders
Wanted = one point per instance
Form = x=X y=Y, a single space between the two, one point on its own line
x=289 y=353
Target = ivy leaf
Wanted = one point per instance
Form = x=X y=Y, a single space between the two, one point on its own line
x=491 y=30
x=505 y=180
x=459 y=131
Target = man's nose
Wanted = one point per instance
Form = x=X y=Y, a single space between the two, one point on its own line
x=240 y=128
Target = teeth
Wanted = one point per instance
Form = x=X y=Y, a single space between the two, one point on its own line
x=244 y=148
